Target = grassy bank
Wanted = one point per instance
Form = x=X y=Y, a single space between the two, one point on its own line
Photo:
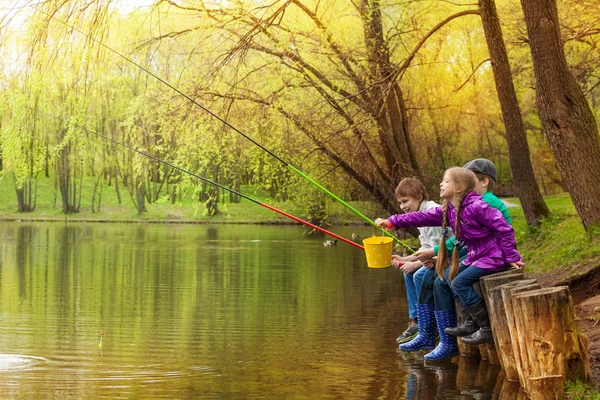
x=560 y=242
x=187 y=210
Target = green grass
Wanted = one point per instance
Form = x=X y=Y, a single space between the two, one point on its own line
x=581 y=391
x=559 y=242
x=49 y=207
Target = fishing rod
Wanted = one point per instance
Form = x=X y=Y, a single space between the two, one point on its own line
x=260 y=203
x=235 y=129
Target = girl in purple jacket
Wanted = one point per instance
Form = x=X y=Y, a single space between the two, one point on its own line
x=491 y=245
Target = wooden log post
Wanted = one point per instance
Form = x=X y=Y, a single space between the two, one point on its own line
x=547 y=334
x=487 y=283
x=510 y=391
x=514 y=366
x=465 y=350
x=502 y=335
x=547 y=388
x=467 y=371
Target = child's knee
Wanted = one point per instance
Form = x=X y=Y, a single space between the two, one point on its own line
x=457 y=284
x=440 y=284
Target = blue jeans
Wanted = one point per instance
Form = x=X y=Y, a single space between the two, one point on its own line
x=461 y=286
x=424 y=283
x=413 y=289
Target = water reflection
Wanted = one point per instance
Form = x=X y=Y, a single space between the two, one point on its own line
x=459 y=378
x=207 y=312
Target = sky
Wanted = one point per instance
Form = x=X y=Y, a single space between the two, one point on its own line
x=126 y=6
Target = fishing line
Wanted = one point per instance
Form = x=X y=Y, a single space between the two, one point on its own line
x=288 y=165
x=343 y=239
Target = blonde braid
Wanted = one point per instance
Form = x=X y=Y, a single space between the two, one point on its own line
x=464 y=182
x=442 y=260
x=455 y=261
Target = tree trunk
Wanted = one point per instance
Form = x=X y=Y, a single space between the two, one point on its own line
x=140 y=196
x=567 y=119
x=528 y=190
x=387 y=103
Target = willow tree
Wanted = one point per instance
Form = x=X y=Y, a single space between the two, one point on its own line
x=337 y=83
x=23 y=150
x=567 y=119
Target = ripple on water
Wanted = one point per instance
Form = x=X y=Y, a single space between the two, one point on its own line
x=11 y=362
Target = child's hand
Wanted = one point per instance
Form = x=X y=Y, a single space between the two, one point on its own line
x=400 y=259
x=410 y=266
x=425 y=255
x=382 y=223
x=397 y=261
x=517 y=264
x=430 y=263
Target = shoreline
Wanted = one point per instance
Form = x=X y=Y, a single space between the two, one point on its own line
x=173 y=221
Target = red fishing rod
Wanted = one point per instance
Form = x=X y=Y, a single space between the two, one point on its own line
x=260 y=203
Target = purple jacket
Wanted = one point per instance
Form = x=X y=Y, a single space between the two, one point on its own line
x=490 y=240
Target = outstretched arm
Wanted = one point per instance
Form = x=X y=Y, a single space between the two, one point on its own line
x=429 y=217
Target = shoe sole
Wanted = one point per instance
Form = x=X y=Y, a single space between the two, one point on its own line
x=414 y=351
x=443 y=359
x=406 y=339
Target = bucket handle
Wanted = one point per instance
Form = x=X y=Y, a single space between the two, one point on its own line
x=382 y=234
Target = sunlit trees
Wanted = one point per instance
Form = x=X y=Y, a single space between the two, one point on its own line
x=567 y=119
x=331 y=73
x=528 y=190
x=356 y=94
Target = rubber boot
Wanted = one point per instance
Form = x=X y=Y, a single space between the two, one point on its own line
x=408 y=334
x=466 y=328
x=482 y=319
x=448 y=345
x=425 y=339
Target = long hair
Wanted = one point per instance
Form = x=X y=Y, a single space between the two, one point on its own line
x=464 y=182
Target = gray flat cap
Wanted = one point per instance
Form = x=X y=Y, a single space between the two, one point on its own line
x=482 y=165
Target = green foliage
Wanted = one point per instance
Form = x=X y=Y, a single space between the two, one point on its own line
x=581 y=391
x=559 y=242
x=452 y=110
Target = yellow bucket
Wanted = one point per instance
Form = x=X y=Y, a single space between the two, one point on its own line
x=379 y=251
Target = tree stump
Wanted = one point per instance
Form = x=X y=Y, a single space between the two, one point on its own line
x=465 y=350
x=548 y=338
x=514 y=367
x=547 y=388
x=500 y=327
x=467 y=371
x=487 y=283
x=510 y=391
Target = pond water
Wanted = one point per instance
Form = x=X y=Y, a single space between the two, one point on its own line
x=198 y=311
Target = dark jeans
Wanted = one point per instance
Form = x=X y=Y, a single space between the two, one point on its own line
x=461 y=286
x=425 y=281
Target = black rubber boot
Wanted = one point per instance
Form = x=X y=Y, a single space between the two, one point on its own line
x=484 y=334
x=468 y=326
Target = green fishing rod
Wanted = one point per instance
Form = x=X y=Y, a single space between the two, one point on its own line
x=235 y=129
x=260 y=203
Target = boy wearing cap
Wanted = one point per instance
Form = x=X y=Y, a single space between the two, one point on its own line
x=485 y=170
